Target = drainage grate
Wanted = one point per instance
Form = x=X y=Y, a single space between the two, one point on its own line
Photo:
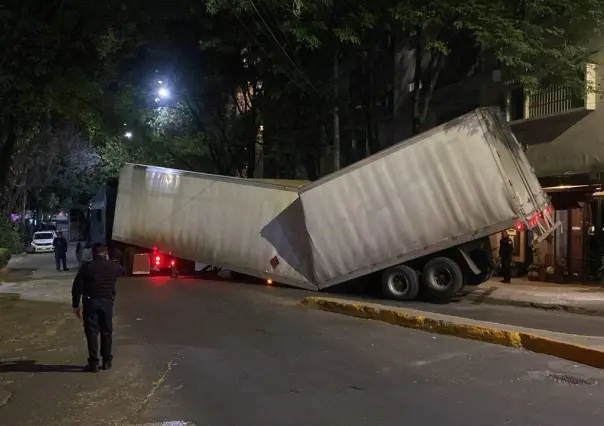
x=570 y=380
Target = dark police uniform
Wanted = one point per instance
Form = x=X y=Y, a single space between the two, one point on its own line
x=60 y=245
x=95 y=285
x=506 y=251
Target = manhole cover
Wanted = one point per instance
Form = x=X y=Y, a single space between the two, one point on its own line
x=570 y=380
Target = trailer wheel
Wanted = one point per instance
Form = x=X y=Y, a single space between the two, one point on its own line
x=400 y=283
x=483 y=277
x=442 y=278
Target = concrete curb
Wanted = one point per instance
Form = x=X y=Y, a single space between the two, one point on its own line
x=484 y=333
x=581 y=310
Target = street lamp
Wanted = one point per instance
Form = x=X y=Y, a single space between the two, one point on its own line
x=128 y=135
x=163 y=93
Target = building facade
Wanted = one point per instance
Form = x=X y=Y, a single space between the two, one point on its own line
x=563 y=136
x=564 y=139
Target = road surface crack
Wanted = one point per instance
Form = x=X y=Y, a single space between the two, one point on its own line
x=156 y=385
x=4 y=397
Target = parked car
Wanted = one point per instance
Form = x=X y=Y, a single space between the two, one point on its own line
x=42 y=241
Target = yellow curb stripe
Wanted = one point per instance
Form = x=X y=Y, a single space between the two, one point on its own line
x=565 y=350
x=534 y=343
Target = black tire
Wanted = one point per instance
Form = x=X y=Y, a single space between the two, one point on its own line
x=483 y=277
x=400 y=283
x=442 y=278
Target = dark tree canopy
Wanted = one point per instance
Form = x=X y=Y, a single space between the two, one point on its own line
x=269 y=88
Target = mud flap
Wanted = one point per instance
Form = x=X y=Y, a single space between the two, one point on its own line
x=471 y=264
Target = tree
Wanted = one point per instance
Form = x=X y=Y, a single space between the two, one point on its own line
x=251 y=79
x=9 y=238
x=536 y=43
x=52 y=62
x=37 y=159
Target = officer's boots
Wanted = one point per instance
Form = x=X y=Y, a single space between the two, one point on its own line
x=92 y=368
x=106 y=365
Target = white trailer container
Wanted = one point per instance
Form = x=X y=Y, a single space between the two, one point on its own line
x=206 y=218
x=454 y=184
x=419 y=212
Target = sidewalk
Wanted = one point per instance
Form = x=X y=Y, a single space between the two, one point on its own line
x=34 y=277
x=574 y=298
x=41 y=381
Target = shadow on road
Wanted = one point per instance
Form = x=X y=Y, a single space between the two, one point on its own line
x=30 y=366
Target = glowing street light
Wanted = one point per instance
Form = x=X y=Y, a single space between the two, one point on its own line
x=163 y=93
x=128 y=135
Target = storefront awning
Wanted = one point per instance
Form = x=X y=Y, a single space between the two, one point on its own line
x=577 y=146
x=548 y=128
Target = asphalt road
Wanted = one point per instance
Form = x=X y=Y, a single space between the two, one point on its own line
x=558 y=321
x=217 y=353
x=42 y=262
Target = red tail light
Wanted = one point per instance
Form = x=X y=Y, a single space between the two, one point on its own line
x=172 y=263
x=157 y=260
x=519 y=226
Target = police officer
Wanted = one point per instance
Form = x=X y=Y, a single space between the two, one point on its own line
x=506 y=251
x=60 y=245
x=95 y=286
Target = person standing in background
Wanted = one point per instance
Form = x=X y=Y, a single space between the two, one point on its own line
x=506 y=251
x=60 y=245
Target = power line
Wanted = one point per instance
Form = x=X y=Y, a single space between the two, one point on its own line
x=302 y=74
x=255 y=39
x=273 y=20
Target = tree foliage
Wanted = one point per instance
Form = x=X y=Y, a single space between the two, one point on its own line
x=55 y=70
x=9 y=239
x=258 y=86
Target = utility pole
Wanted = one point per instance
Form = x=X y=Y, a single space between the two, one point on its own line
x=336 y=113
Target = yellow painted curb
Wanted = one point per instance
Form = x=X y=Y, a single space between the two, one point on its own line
x=534 y=343
x=565 y=350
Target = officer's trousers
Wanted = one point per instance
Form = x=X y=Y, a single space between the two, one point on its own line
x=98 y=318
x=506 y=268
x=61 y=257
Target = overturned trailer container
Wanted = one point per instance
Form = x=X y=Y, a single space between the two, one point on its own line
x=417 y=214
